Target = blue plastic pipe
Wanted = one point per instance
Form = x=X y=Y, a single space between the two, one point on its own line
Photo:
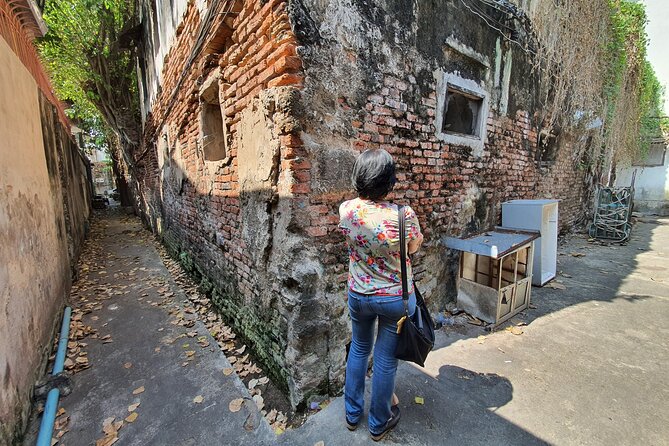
x=49 y=417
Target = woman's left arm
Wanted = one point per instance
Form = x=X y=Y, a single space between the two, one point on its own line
x=415 y=235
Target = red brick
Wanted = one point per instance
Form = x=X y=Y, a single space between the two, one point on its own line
x=318 y=231
x=287 y=64
x=286 y=80
x=291 y=140
x=300 y=188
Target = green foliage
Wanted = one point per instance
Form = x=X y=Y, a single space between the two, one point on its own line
x=634 y=94
x=89 y=67
x=653 y=124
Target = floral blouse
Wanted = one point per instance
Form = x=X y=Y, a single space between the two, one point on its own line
x=372 y=233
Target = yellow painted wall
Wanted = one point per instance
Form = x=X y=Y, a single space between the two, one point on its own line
x=34 y=263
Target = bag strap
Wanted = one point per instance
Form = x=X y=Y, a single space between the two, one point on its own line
x=403 y=259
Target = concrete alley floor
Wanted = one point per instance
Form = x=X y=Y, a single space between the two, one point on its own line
x=590 y=367
x=147 y=349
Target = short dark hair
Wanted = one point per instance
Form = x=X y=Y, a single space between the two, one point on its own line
x=374 y=174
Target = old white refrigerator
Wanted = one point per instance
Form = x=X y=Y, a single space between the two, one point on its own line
x=542 y=216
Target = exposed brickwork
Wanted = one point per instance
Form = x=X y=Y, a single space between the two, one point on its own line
x=259 y=227
x=437 y=179
x=201 y=218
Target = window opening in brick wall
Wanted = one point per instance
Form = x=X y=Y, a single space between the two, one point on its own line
x=163 y=151
x=213 y=138
x=462 y=113
x=655 y=156
x=213 y=132
x=547 y=147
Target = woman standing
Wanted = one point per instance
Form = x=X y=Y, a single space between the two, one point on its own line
x=370 y=225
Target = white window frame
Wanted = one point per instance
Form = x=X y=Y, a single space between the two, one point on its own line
x=446 y=81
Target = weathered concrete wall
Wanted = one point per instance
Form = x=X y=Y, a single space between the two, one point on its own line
x=248 y=200
x=651 y=186
x=44 y=206
x=160 y=20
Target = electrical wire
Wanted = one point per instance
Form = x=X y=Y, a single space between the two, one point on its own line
x=491 y=22
x=207 y=22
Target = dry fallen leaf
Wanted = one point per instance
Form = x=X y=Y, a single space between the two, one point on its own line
x=236 y=404
x=227 y=371
x=108 y=425
x=259 y=400
x=271 y=416
x=108 y=440
x=198 y=399
x=514 y=330
x=319 y=443
x=133 y=407
x=138 y=390
x=556 y=286
x=61 y=422
x=132 y=417
x=419 y=400
x=127 y=365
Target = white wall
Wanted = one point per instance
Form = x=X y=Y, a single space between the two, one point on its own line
x=651 y=187
x=159 y=33
x=652 y=183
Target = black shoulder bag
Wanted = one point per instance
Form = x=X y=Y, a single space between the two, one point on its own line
x=416 y=332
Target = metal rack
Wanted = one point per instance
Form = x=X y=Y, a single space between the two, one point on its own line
x=612 y=213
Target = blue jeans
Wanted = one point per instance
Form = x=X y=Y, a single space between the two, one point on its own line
x=365 y=309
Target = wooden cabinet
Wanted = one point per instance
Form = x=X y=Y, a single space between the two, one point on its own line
x=495 y=273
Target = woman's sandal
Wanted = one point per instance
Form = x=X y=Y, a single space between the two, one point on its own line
x=390 y=424
x=394 y=401
x=394 y=408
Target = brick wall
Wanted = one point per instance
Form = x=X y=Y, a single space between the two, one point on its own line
x=453 y=192
x=303 y=88
x=241 y=234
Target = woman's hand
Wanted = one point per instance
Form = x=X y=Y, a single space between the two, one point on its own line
x=414 y=244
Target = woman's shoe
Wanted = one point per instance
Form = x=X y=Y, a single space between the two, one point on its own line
x=390 y=424
x=394 y=402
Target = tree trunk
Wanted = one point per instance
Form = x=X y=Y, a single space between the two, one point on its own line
x=121 y=183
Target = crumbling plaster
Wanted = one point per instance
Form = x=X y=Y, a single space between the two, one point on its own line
x=44 y=206
x=356 y=55
x=304 y=87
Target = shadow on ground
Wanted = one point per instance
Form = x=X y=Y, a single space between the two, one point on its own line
x=458 y=408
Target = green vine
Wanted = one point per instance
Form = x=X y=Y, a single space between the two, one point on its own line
x=634 y=95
